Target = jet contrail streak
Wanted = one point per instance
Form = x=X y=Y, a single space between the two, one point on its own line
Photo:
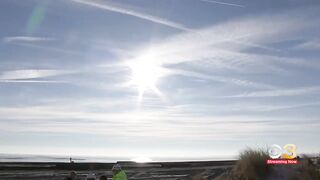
x=136 y=14
x=223 y=3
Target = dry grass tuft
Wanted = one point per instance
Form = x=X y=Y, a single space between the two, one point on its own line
x=252 y=166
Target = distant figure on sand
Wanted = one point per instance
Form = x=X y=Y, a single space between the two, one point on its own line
x=71 y=161
x=118 y=173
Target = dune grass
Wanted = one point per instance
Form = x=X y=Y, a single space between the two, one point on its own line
x=252 y=166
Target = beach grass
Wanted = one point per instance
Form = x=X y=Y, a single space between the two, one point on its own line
x=252 y=165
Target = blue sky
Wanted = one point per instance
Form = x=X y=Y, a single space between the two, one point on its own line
x=169 y=78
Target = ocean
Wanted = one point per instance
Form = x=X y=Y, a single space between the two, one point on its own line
x=60 y=158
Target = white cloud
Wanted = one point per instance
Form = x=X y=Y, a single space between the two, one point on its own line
x=25 y=39
x=47 y=48
x=80 y=116
x=242 y=108
x=27 y=74
x=57 y=119
x=126 y=11
x=234 y=81
x=281 y=92
x=29 y=81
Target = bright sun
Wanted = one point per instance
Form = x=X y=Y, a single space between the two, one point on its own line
x=144 y=74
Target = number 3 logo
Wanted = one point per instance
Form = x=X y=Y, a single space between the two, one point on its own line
x=289 y=151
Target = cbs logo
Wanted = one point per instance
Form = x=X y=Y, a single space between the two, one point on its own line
x=288 y=151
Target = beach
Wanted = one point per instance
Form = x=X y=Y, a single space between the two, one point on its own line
x=154 y=170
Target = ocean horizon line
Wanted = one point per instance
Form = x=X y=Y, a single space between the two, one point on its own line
x=8 y=157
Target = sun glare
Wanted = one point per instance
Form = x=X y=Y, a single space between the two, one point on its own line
x=145 y=73
x=141 y=159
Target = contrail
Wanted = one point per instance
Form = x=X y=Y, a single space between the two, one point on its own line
x=223 y=3
x=135 y=14
x=11 y=39
x=29 y=81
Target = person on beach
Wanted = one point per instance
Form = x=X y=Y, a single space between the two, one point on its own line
x=118 y=173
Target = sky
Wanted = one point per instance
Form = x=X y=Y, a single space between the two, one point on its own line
x=171 y=78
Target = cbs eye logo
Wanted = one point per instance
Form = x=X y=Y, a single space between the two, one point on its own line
x=288 y=151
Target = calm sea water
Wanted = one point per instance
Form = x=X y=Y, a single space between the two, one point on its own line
x=51 y=158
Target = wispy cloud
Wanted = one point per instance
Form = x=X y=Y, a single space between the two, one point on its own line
x=281 y=92
x=25 y=39
x=257 y=108
x=219 y=47
x=309 y=45
x=60 y=118
x=48 y=48
x=250 y=30
x=29 y=81
x=33 y=42
x=129 y=12
x=223 y=3
x=235 y=81
x=30 y=75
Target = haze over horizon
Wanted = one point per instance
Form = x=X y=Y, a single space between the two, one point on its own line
x=170 y=78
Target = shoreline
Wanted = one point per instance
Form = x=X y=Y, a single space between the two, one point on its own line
x=99 y=165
